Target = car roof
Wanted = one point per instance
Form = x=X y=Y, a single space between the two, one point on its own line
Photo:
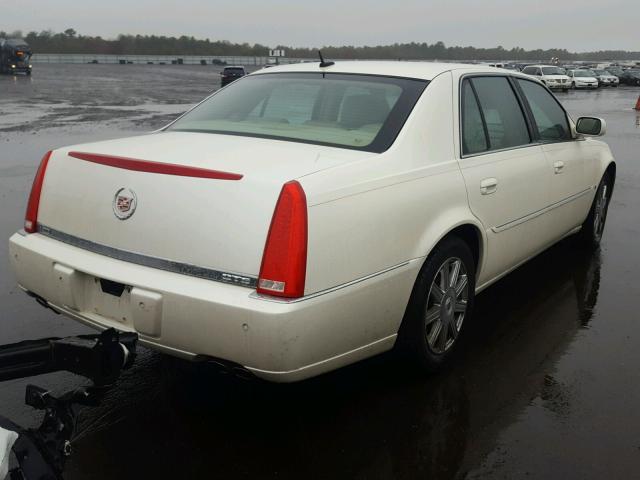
x=15 y=42
x=420 y=70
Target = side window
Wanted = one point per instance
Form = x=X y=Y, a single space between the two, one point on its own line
x=550 y=118
x=474 y=139
x=504 y=118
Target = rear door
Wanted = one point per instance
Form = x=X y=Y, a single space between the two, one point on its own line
x=570 y=160
x=505 y=171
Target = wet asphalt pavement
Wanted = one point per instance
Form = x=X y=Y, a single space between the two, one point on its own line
x=547 y=384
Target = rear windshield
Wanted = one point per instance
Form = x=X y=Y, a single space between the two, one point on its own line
x=362 y=112
x=234 y=71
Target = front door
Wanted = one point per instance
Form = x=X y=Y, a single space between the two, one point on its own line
x=569 y=160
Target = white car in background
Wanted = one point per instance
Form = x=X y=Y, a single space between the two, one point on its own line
x=553 y=77
x=581 y=78
x=309 y=216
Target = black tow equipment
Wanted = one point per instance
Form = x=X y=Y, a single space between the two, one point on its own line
x=41 y=453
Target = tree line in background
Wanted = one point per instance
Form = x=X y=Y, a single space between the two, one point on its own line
x=70 y=42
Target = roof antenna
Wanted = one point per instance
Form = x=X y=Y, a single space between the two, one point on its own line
x=322 y=62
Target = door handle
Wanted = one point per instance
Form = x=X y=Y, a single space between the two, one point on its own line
x=488 y=186
x=558 y=167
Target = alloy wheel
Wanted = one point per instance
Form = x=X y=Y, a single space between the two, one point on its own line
x=446 y=305
x=600 y=211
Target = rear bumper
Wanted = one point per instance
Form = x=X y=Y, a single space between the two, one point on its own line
x=196 y=318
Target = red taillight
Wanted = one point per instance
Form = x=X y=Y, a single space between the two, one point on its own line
x=284 y=261
x=31 y=217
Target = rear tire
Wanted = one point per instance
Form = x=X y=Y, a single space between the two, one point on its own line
x=440 y=306
x=593 y=227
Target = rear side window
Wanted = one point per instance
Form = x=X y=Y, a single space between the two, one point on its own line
x=474 y=139
x=549 y=117
x=503 y=116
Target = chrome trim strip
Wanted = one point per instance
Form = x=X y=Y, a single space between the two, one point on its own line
x=500 y=150
x=149 y=261
x=531 y=216
x=268 y=298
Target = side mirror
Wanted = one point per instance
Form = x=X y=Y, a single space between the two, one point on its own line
x=591 y=126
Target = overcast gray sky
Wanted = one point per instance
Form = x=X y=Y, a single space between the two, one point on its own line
x=576 y=25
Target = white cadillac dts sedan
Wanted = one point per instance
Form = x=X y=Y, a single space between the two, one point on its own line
x=306 y=217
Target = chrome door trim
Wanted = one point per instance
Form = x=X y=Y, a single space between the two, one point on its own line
x=531 y=216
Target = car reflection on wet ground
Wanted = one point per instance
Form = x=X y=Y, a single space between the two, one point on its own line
x=546 y=385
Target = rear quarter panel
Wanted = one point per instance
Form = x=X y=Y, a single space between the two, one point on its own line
x=375 y=214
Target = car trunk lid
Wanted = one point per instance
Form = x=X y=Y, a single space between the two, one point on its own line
x=191 y=202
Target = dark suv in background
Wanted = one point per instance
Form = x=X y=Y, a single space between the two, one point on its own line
x=229 y=74
x=631 y=77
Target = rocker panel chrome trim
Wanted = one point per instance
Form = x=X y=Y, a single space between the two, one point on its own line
x=531 y=216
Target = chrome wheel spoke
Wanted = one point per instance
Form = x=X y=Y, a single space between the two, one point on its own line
x=460 y=307
x=433 y=335
x=453 y=329
x=454 y=274
x=433 y=314
x=437 y=293
x=444 y=276
x=442 y=339
x=461 y=286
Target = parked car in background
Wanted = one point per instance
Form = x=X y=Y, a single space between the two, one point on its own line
x=230 y=74
x=521 y=66
x=582 y=78
x=553 y=77
x=311 y=216
x=615 y=70
x=511 y=66
x=605 y=79
x=630 y=77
